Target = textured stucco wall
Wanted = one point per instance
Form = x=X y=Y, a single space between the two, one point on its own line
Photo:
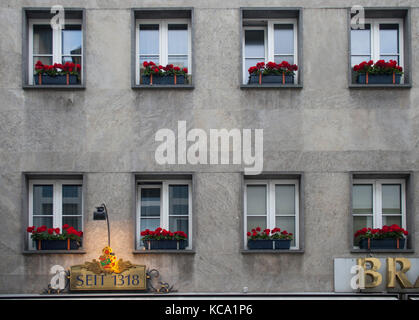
x=106 y=132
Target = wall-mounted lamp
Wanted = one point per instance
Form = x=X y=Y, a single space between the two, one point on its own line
x=101 y=213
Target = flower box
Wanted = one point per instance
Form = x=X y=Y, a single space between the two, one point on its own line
x=55 y=80
x=380 y=72
x=161 y=239
x=57 y=244
x=379 y=78
x=57 y=74
x=260 y=244
x=165 y=244
x=277 y=79
x=52 y=239
x=276 y=73
x=388 y=243
x=163 y=80
x=282 y=244
x=274 y=239
x=388 y=237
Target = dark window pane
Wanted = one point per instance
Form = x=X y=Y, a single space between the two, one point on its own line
x=389 y=38
x=178 y=39
x=284 y=39
x=254 y=44
x=178 y=200
x=75 y=222
x=42 y=221
x=42 y=39
x=256 y=200
x=362 y=199
x=42 y=200
x=391 y=199
x=361 y=41
x=71 y=40
x=150 y=202
x=149 y=39
x=72 y=200
x=285 y=200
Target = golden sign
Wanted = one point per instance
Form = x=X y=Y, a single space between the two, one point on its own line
x=393 y=275
x=108 y=274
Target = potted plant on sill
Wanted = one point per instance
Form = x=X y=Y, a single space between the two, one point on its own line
x=282 y=239
x=161 y=239
x=389 y=237
x=160 y=75
x=57 y=74
x=278 y=73
x=274 y=239
x=51 y=238
x=380 y=72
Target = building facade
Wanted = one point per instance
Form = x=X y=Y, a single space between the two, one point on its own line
x=337 y=155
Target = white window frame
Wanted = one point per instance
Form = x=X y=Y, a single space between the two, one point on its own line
x=57 y=201
x=377 y=216
x=269 y=31
x=163 y=42
x=270 y=206
x=375 y=39
x=164 y=205
x=56 y=43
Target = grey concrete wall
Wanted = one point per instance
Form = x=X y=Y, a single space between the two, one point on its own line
x=106 y=131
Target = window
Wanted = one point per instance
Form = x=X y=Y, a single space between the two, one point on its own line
x=272 y=41
x=54 y=46
x=165 y=204
x=376 y=203
x=381 y=39
x=385 y=35
x=164 y=42
x=48 y=45
x=271 y=35
x=54 y=203
x=270 y=204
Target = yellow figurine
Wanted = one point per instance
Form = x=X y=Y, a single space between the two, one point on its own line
x=110 y=264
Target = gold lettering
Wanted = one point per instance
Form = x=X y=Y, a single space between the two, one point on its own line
x=376 y=277
x=400 y=276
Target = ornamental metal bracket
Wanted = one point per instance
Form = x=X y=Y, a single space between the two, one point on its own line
x=164 y=286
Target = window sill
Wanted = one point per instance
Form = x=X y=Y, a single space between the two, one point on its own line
x=164 y=86
x=380 y=86
x=383 y=251
x=54 y=252
x=271 y=86
x=55 y=87
x=292 y=251
x=164 y=251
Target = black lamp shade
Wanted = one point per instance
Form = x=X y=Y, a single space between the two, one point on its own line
x=99 y=214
